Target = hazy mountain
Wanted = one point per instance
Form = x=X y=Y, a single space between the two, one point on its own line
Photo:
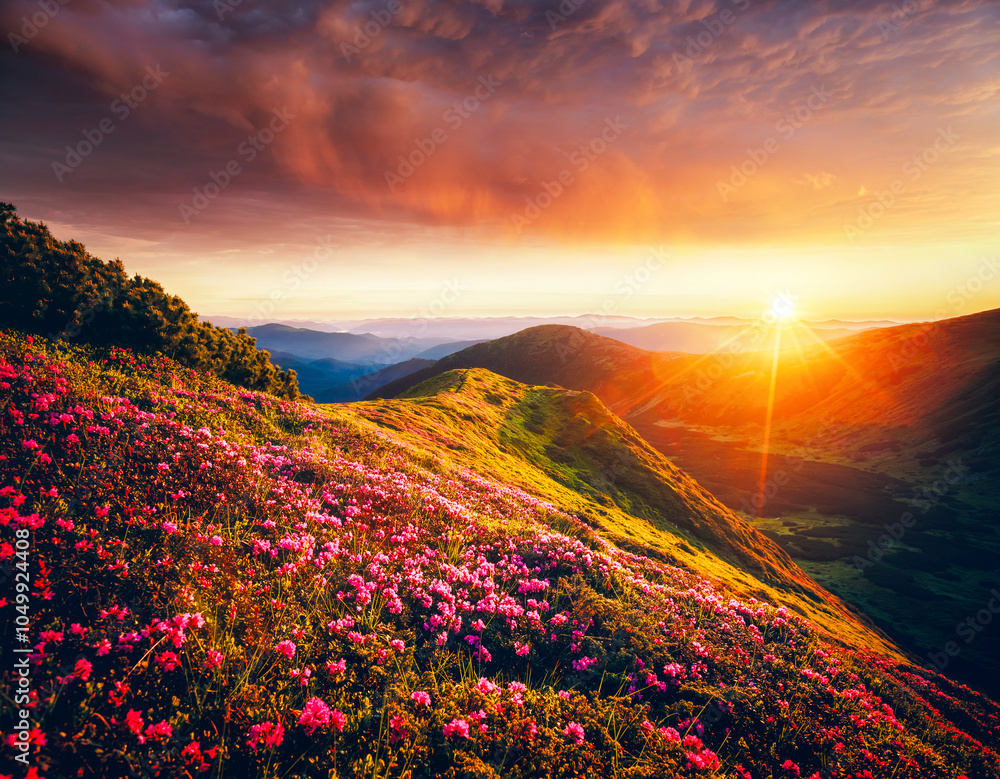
x=345 y=347
x=358 y=386
x=315 y=376
x=443 y=350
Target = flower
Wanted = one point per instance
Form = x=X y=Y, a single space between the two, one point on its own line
x=457 y=727
x=133 y=721
x=82 y=670
x=421 y=698
x=214 y=659
x=398 y=725
x=315 y=714
x=574 y=732
x=286 y=647
x=270 y=733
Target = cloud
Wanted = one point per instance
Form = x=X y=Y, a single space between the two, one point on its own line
x=369 y=82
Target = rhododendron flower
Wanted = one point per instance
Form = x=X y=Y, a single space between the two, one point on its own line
x=574 y=731
x=214 y=659
x=421 y=698
x=168 y=661
x=397 y=645
x=315 y=714
x=485 y=686
x=82 y=669
x=271 y=734
x=159 y=731
x=133 y=721
x=791 y=767
x=458 y=728
x=670 y=735
x=286 y=647
x=397 y=724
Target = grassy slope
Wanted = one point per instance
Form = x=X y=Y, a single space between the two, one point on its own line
x=565 y=446
x=182 y=533
x=885 y=407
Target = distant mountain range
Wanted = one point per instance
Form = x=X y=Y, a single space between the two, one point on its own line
x=485 y=328
x=339 y=367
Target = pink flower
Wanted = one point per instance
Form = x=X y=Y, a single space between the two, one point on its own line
x=397 y=645
x=270 y=733
x=133 y=721
x=159 y=731
x=168 y=661
x=315 y=714
x=286 y=647
x=485 y=687
x=398 y=726
x=574 y=731
x=82 y=669
x=338 y=719
x=670 y=735
x=457 y=727
x=522 y=649
x=214 y=659
x=421 y=698
x=791 y=767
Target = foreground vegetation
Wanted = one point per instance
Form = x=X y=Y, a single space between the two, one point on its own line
x=58 y=289
x=225 y=583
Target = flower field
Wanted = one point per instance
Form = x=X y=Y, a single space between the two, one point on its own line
x=209 y=581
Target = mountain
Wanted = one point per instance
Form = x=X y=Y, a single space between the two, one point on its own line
x=885 y=426
x=483 y=578
x=317 y=376
x=359 y=386
x=443 y=350
x=703 y=338
x=554 y=354
x=344 y=347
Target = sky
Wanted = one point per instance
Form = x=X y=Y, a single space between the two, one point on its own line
x=327 y=160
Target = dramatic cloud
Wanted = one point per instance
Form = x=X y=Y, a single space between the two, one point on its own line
x=576 y=121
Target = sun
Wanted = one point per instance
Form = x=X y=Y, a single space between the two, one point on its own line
x=783 y=308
